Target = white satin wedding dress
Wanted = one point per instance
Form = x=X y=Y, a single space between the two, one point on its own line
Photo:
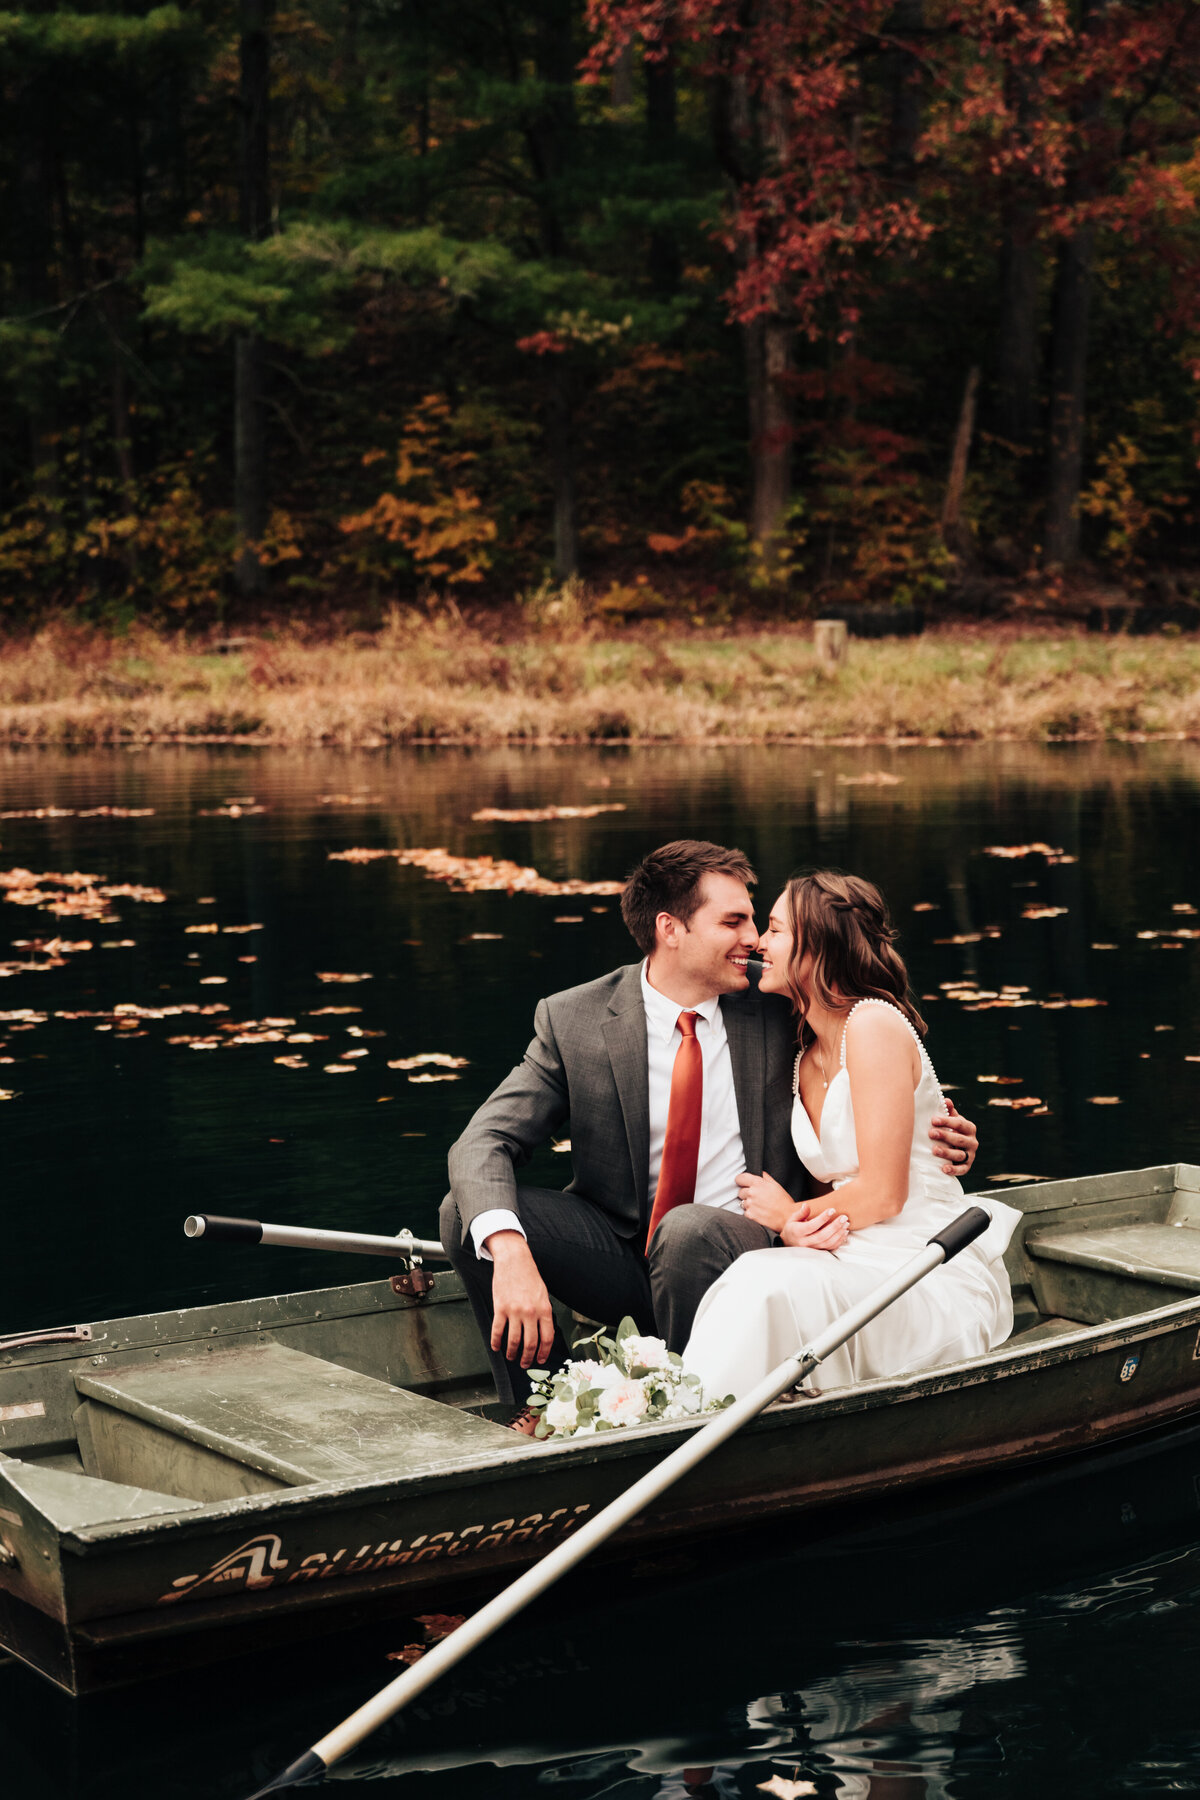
x=771 y=1302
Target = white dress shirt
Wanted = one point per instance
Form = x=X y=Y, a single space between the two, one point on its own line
x=722 y=1158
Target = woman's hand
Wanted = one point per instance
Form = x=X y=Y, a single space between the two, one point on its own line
x=764 y=1201
x=828 y=1230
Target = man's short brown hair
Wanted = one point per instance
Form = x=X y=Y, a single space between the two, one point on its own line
x=668 y=880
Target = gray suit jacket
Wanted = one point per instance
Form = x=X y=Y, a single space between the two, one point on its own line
x=587 y=1063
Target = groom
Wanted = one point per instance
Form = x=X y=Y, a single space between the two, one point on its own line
x=676 y=1076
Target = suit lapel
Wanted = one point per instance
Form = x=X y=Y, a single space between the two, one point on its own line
x=747 y=1057
x=625 y=1040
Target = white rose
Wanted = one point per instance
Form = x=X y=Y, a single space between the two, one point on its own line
x=607 y=1375
x=646 y=1353
x=624 y=1405
x=560 y=1415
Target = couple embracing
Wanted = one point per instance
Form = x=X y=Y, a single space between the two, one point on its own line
x=748 y=1160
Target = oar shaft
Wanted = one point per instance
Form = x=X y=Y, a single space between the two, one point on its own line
x=304 y=1237
x=588 y=1537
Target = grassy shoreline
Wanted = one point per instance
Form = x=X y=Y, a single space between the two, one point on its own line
x=421 y=681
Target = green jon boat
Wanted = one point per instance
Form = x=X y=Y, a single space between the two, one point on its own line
x=179 y=1485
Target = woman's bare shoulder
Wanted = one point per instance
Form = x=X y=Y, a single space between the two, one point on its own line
x=875 y=1027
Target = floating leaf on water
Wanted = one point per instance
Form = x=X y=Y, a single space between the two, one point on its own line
x=1018 y=1102
x=308 y=1037
x=291 y=1062
x=201 y=930
x=411 y=1653
x=349 y=799
x=479 y=874
x=430 y=1058
x=783 y=1789
x=418 y=1080
x=1016 y=1178
x=1104 y=1100
x=213 y=980
x=232 y=809
x=1002 y=1080
x=349 y=1053
x=563 y=1145
x=1164 y=1028
x=326 y=1012
x=118 y=943
x=1183 y=906
x=330 y=976
x=569 y=919
x=875 y=778
x=483 y=937
x=927 y=906
x=1043 y=912
x=238 y=930
x=437 y=1626
x=1011 y=851
x=8 y=1093
x=964 y=937
x=360 y=1031
x=534 y=815
x=340 y=1069
x=1191 y=1059
x=1106 y=946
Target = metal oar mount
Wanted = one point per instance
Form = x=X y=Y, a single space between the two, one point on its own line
x=403 y=1246
x=528 y=1587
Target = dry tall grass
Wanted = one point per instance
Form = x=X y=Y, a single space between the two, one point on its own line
x=440 y=680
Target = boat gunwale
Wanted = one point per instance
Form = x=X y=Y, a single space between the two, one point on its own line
x=1008 y=1362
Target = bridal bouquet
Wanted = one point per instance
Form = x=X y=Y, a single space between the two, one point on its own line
x=631 y=1380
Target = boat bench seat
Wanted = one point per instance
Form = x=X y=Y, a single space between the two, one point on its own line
x=1109 y=1272
x=263 y=1416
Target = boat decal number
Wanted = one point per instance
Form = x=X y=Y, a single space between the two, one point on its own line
x=31 y=1409
x=260 y=1562
x=1129 y=1367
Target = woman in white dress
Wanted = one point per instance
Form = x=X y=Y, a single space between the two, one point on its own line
x=865 y=1093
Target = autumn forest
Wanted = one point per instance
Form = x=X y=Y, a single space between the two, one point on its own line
x=703 y=304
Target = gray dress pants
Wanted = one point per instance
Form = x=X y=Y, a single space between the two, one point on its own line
x=590 y=1267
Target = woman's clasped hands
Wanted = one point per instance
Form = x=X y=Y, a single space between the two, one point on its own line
x=767 y=1203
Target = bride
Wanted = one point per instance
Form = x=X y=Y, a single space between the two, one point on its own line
x=865 y=1093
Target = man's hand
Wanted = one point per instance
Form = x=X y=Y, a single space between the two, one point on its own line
x=955 y=1141
x=764 y=1201
x=520 y=1304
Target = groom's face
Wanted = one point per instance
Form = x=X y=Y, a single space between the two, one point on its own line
x=720 y=935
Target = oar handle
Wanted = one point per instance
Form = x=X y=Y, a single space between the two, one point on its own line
x=305 y=1237
x=962 y=1231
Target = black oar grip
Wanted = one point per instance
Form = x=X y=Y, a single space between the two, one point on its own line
x=963 y=1231
x=224 y=1231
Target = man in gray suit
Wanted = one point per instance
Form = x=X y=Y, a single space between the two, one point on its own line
x=604 y=1056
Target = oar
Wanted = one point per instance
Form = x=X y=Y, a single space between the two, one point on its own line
x=404 y=1689
x=304 y=1237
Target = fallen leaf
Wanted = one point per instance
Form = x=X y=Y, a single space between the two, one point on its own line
x=418 y=1079
x=1043 y=912
x=534 y=815
x=429 y=1058
x=291 y=1062
x=1164 y=1028
x=1018 y=1103
x=349 y=1053
x=1010 y=851
x=213 y=980
x=1104 y=1100
x=201 y=930
x=328 y=976
x=569 y=919
x=340 y=1069
x=326 y=1012
x=1106 y=946
x=8 y=1093
x=308 y=1037
x=876 y=778
x=1002 y=1080
x=479 y=874
x=1016 y=1178
x=484 y=937
x=783 y=1789
x=964 y=937
x=1191 y=1059
x=238 y=930
x=927 y=906
x=439 y=1625
x=563 y=1145
x=411 y=1653
x=1183 y=906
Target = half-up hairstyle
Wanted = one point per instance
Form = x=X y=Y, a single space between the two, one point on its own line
x=843 y=923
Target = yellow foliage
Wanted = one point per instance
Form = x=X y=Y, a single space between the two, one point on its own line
x=1114 y=496
x=431 y=512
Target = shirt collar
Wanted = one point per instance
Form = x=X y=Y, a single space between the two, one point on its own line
x=662 y=1015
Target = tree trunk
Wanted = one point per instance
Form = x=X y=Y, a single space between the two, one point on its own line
x=665 y=265
x=1069 y=344
x=560 y=441
x=955 y=536
x=768 y=351
x=904 y=80
x=1068 y=396
x=249 y=385
x=1017 y=374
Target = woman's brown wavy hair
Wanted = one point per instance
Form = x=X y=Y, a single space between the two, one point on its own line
x=843 y=922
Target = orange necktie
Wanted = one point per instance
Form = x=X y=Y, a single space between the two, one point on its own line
x=681 y=1146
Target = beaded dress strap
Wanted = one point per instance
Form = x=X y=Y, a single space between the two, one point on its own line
x=872 y=1000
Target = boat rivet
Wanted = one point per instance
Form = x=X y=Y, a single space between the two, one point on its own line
x=316 y=1315
x=212 y=1331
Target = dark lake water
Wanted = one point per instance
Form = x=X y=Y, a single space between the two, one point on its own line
x=1054 y=1647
